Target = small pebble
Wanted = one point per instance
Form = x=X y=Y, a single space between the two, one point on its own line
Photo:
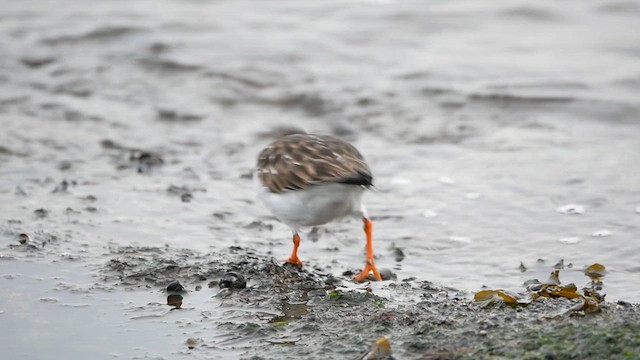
x=398 y=254
x=387 y=274
x=559 y=265
x=24 y=238
x=175 y=287
x=192 y=342
x=41 y=213
x=232 y=280
x=522 y=268
x=571 y=209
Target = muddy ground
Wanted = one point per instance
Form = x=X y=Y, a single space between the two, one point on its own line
x=160 y=302
x=503 y=137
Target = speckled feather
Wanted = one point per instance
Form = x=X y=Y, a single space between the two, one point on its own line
x=297 y=161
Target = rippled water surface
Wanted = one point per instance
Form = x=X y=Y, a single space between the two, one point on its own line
x=138 y=122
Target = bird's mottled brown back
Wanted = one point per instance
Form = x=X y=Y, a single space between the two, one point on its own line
x=296 y=161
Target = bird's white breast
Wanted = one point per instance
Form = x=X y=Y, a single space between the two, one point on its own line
x=315 y=205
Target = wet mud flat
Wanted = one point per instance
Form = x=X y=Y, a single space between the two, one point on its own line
x=233 y=303
x=309 y=313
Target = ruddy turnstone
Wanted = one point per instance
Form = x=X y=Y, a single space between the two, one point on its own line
x=309 y=180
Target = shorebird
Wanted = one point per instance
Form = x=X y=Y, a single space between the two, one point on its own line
x=310 y=180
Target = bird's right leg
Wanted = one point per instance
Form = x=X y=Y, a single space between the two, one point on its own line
x=293 y=259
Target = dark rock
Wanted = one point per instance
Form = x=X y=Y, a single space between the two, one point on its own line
x=23 y=238
x=259 y=225
x=63 y=186
x=232 y=280
x=41 y=213
x=387 y=274
x=175 y=287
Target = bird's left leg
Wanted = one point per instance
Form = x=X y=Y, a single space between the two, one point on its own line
x=369 y=265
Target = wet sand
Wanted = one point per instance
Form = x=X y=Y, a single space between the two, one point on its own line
x=129 y=131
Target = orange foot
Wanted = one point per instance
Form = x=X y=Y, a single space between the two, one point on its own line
x=294 y=261
x=364 y=274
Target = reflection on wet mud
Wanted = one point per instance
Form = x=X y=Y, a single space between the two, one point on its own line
x=174 y=300
x=290 y=312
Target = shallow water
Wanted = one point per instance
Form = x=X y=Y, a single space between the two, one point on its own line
x=478 y=120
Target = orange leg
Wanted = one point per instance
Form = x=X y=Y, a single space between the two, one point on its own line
x=369 y=266
x=293 y=259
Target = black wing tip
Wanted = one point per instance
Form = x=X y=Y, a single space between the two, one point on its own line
x=362 y=179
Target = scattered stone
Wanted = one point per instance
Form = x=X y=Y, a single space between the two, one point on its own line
x=387 y=274
x=232 y=280
x=522 y=268
x=259 y=225
x=89 y=198
x=571 y=209
x=172 y=115
x=192 y=343
x=41 y=213
x=63 y=186
x=175 y=287
x=185 y=193
x=26 y=244
x=147 y=161
x=24 y=239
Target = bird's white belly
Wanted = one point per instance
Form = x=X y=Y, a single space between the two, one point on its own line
x=315 y=205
